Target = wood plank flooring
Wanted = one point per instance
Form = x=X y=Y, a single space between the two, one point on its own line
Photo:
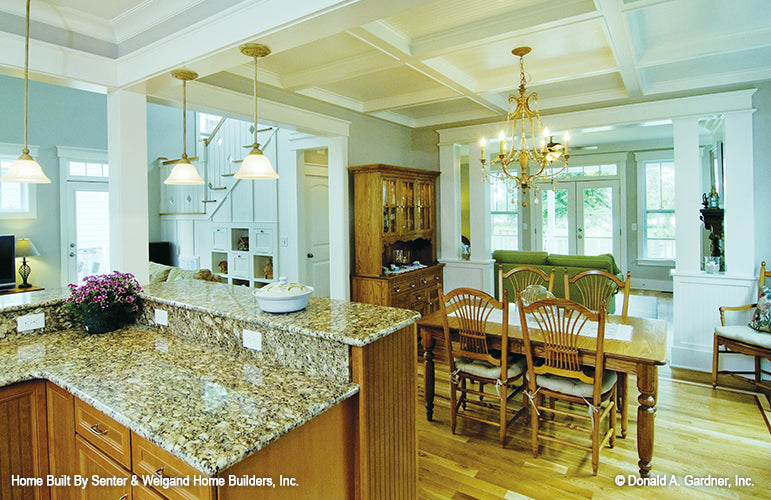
x=699 y=432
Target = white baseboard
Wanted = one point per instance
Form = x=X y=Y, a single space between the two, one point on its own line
x=648 y=284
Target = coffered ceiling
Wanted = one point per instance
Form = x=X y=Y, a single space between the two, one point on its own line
x=416 y=63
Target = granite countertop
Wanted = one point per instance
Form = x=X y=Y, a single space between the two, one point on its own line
x=351 y=323
x=209 y=407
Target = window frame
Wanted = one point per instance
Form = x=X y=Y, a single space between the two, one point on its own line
x=11 y=152
x=641 y=158
x=517 y=213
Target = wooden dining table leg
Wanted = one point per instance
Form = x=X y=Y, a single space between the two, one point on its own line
x=428 y=371
x=623 y=403
x=647 y=384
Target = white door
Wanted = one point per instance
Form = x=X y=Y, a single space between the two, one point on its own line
x=316 y=195
x=580 y=218
x=88 y=231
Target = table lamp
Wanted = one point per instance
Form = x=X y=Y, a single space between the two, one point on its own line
x=24 y=249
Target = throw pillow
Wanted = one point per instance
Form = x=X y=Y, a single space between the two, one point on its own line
x=761 y=318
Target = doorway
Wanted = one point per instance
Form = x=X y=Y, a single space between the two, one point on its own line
x=316 y=220
x=579 y=218
x=88 y=230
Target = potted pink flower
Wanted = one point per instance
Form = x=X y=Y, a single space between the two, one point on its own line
x=106 y=301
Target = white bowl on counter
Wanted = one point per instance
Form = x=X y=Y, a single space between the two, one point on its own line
x=282 y=296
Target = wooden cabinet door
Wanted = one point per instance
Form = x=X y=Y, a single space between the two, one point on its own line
x=390 y=206
x=91 y=462
x=61 y=438
x=24 y=443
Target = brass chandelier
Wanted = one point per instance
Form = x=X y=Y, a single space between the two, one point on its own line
x=530 y=142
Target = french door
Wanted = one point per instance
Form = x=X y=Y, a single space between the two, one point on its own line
x=579 y=218
x=88 y=230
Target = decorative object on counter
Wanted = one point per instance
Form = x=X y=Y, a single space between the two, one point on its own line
x=104 y=302
x=282 y=296
x=465 y=248
x=256 y=165
x=25 y=168
x=184 y=172
x=223 y=265
x=523 y=125
x=712 y=264
x=24 y=249
x=711 y=200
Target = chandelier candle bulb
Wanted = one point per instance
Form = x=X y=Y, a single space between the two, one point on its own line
x=502 y=143
x=482 y=144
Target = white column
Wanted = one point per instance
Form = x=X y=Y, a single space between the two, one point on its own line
x=479 y=206
x=127 y=155
x=289 y=183
x=739 y=223
x=448 y=209
x=687 y=195
x=339 y=234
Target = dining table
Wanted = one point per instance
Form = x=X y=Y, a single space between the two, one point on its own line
x=640 y=355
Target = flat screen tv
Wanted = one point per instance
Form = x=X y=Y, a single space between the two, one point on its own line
x=7 y=261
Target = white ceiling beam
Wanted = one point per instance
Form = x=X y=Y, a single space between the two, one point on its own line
x=620 y=41
x=59 y=65
x=540 y=17
x=332 y=98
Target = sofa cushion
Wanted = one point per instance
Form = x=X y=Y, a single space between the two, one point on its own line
x=520 y=258
x=158 y=272
x=187 y=274
x=605 y=262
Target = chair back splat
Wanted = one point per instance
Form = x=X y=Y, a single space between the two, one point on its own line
x=522 y=277
x=596 y=286
x=469 y=332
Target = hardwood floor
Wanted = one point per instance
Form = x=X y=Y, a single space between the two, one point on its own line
x=699 y=432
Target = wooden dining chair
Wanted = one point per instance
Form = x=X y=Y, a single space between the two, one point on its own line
x=742 y=339
x=471 y=358
x=554 y=371
x=595 y=286
x=521 y=277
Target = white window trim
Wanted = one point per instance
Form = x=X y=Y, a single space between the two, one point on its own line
x=13 y=151
x=640 y=158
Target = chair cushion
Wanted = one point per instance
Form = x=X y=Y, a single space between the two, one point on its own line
x=761 y=318
x=479 y=368
x=745 y=334
x=575 y=387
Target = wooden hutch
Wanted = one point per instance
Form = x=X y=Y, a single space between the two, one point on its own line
x=394 y=217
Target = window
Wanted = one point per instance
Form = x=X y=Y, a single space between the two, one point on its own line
x=504 y=205
x=84 y=169
x=658 y=209
x=17 y=199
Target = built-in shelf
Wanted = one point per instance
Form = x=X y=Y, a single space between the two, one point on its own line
x=248 y=251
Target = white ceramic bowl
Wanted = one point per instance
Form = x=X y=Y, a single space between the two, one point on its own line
x=282 y=296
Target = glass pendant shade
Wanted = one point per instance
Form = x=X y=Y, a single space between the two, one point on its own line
x=25 y=169
x=184 y=173
x=256 y=166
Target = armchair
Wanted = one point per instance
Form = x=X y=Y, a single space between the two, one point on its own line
x=741 y=339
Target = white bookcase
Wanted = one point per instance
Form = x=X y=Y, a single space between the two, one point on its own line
x=249 y=252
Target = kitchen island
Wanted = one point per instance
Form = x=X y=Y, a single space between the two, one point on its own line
x=191 y=389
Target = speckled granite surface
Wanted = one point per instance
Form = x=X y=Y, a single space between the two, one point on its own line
x=349 y=323
x=207 y=406
x=310 y=355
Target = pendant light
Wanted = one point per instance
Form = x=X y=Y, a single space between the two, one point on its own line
x=25 y=169
x=184 y=172
x=256 y=165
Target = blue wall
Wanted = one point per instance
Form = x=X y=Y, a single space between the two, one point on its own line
x=58 y=116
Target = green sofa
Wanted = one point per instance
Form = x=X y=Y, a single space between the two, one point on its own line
x=508 y=259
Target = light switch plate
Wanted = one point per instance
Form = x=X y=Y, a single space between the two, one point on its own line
x=252 y=339
x=30 y=322
x=161 y=317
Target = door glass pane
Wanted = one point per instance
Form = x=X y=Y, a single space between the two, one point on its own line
x=92 y=233
x=555 y=221
x=598 y=220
